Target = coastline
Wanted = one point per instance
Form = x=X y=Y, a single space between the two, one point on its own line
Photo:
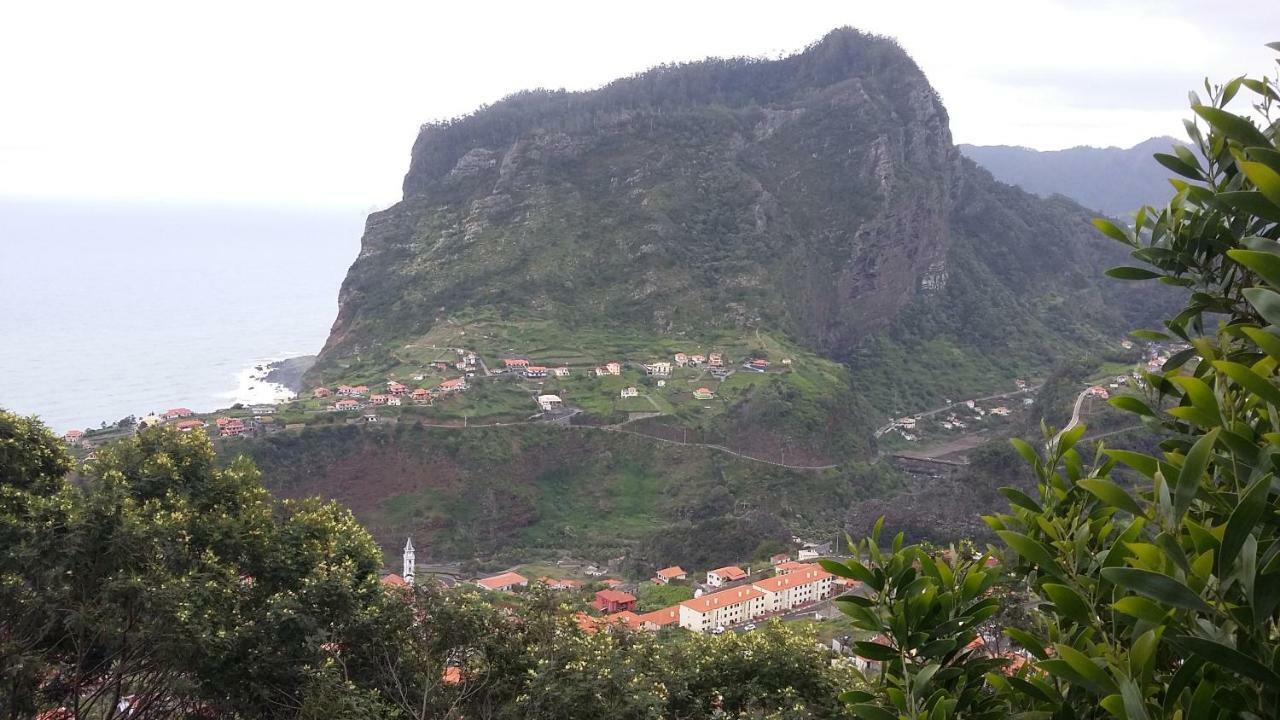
x=289 y=372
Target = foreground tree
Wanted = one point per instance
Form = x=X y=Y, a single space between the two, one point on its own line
x=1158 y=598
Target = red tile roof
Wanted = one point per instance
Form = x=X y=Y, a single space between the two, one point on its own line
x=612 y=582
x=778 y=583
x=184 y=424
x=661 y=618
x=394 y=580
x=672 y=572
x=502 y=580
x=724 y=598
x=616 y=596
x=731 y=572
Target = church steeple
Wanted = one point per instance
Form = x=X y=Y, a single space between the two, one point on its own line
x=407 y=573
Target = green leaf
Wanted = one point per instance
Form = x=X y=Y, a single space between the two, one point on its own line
x=1027 y=641
x=1229 y=658
x=1026 y=451
x=875 y=651
x=853 y=570
x=1264 y=178
x=1144 y=464
x=1156 y=586
x=1266 y=302
x=1265 y=264
x=1108 y=228
x=1251 y=202
x=1069 y=602
x=1200 y=394
x=1248 y=510
x=1129 y=403
x=1021 y=499
x=1232 y=125
x=1193 y=467
x=1250 y=381
x=1177 y=165
x=1087 y=669
x=1269 y=343
x=872 y=712
x=1111 y=494
x=1123 y=272
x=1141 y=608
x=1030 y=549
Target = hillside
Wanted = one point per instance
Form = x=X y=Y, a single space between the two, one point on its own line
x=1115 y=181
x=810 y=211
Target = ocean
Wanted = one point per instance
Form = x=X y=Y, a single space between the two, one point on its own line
x=115 y=310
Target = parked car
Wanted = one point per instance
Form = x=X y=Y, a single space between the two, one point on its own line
x=717 y=630
x=748 y=627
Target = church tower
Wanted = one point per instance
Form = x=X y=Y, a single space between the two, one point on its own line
x=408 y=561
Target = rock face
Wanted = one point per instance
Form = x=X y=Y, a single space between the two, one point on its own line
x=810 y=194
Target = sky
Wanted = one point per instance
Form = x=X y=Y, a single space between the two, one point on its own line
x=315 y=104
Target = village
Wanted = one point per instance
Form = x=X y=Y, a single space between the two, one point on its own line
x=516 y=389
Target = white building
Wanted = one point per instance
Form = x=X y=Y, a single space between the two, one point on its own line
x=801 y=586
x=661 y=368
x=408 y=562
x=722 y=609
x=724 y=575
x=629 y=392
x=550 y=402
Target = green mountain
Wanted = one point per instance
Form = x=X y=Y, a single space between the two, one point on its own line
x=1112 y=180
x=811 y=209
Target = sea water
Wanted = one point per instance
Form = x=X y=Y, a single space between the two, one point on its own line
x=115 y=310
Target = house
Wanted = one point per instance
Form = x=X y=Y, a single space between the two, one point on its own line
x=659 y=619
x=344 y=405
x=263 y=409
x=813 y=551
x=1126 y=344
x=799 y=587
x=321 y=392
x=346 y=390
x=757 y=364
x=535 y=371
x=515 y=363
x=504 y=582
x=421 y=395
x=233 y=428
x=722 y=609
x=613 y=583
x=728 y=574
x=378 y=399
x=395 y=388
x=550 y=403
x=73 y=437
x=394 y=580
x=1002 y=411
x=360 y=390
x=175 y=413
x=703 y=394
x=786 y=362
x=1020 y=384
x=681 y=359
x=454 y=385
x=715 y=360
x=188 y=425
x=1099 y=392
x=370 y=417
x=629 y=392
x=787 y=566
x=697 y=359
x=613 y=601
x=393 y=400
x=661 y=368
x=560 y=583
x=561 y=371
x=469 y=359
x=222 y=422
x=778 y=559
x=667 y=574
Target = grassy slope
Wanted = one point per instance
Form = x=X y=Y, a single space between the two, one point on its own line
x=533 y=491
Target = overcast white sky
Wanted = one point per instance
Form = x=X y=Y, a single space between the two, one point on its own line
x=317 y=104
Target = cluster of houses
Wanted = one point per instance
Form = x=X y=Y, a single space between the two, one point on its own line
x=353 y=397
x=734 y=599
x=962 y=414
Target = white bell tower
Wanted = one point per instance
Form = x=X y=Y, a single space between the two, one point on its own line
x=409 y=564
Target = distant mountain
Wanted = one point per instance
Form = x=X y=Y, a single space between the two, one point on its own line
x=1113 y=180
x=812 y=208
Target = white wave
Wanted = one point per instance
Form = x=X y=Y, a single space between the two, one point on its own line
x=253 y=389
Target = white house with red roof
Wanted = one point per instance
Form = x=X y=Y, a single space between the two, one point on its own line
x=188 y=425
x=453 y=385
x=421 y=395
x=344 y=405
x=233 y=428
x=722 y=609
x=321 y=392
x=175 y=413
x=378 y=399
x=715 y=360
x=73 y=437
x=503 y=582
x=395 y=388
x=681 y=359
x=668 y=574
x=562 y=371
x=724 y=575
x=515 y=363
x=801 y=586
x=535 y=371
x=346 y=390
x=703 y=394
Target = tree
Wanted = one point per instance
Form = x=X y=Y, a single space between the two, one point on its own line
x=1159 y=598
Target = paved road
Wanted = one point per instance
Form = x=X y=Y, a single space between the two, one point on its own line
x=1075 y=418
